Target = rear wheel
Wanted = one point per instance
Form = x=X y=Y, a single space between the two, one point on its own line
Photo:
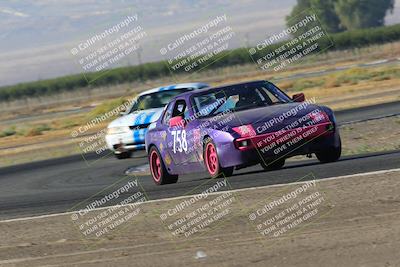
x=330 y=154
x=157 y=168
x=271 y=165
x=123 y=155
x=211 y=161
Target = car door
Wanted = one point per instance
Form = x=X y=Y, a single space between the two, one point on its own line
x=176 y=137
x=182 y=138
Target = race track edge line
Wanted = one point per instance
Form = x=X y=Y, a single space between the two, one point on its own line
x=214 y=193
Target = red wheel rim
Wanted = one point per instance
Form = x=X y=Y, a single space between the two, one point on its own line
x=211 y=159
x=155 y=166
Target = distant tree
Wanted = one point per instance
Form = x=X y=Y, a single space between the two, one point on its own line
x=325 y=10
x=359 y=14
x=298 y=12
x=339 y=15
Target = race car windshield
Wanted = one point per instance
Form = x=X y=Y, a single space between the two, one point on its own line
x=239 y=97
x=156 y=100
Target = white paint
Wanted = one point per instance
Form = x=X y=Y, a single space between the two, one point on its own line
x=377 y=62
x=214 y=193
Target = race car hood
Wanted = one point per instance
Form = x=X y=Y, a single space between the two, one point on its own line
x=137 y=118
x=258 y=116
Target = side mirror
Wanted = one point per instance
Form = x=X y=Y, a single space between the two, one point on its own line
x=177 y=121
x=299 y=97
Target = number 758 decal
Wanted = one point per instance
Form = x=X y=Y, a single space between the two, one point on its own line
x=180 y=138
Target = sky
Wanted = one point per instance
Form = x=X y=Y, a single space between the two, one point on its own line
x=36 y=37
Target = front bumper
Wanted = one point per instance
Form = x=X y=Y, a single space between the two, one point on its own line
x=129 y=141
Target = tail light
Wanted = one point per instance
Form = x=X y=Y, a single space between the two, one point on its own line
x=319 y=116
x=245 y=130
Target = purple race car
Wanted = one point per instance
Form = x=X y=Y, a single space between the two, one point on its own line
x=235 y=126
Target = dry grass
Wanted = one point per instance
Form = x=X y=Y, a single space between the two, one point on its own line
x=371 y=136
x=84 y=98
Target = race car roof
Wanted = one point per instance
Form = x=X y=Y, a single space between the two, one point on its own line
x=175 y=86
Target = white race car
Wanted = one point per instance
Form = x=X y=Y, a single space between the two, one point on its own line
x=127 y=133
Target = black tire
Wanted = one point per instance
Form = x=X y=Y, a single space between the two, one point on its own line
x=219 y=171
x=123 y=155
x=273 y=165
x=330 y=154
x=164 y=177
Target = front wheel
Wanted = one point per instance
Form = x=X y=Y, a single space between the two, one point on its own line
x=211 y=161
x=330 y=154
x=157 y=168
x=123 y=155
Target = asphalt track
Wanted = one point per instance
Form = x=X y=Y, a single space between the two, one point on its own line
x=57 y=185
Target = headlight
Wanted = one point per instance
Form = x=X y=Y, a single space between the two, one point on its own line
x=118 y=130
x=152 y=125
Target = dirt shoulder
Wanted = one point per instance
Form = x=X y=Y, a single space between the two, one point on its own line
x=356 y=224
x=371 y=136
